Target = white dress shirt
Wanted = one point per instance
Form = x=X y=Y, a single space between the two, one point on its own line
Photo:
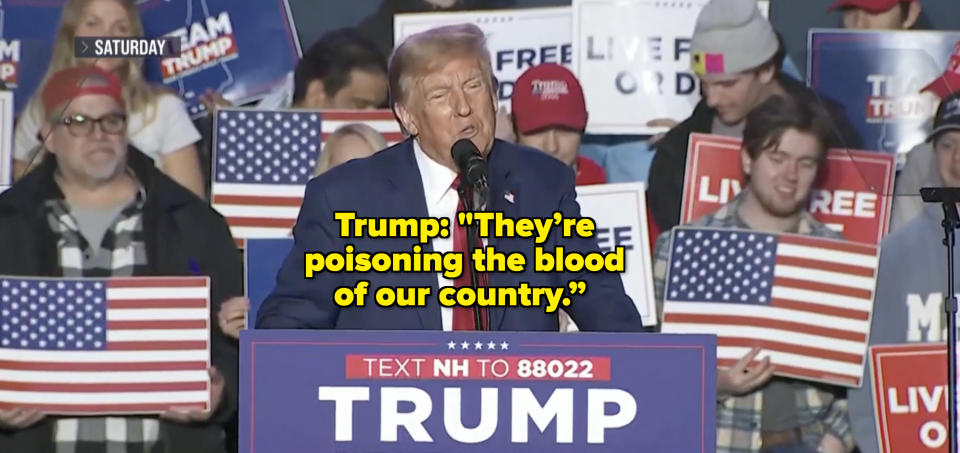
x=441 y=202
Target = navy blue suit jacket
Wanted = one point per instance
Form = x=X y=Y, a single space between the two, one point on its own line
x=388 y=184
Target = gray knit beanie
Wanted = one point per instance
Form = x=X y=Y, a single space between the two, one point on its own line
x=731 y=36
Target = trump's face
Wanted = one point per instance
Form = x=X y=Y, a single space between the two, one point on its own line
x=454 y=102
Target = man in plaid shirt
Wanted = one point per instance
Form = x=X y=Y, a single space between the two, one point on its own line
x=785 y=140
x=95 y=208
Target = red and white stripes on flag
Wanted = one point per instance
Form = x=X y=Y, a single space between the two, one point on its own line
x=382 y=121
x=805 y=301
x=105 y=346
x=263 y=160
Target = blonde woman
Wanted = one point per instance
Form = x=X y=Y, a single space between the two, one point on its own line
x=158 y=124
x=351 y=141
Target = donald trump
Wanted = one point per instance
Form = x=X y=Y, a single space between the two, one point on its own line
x=442 y=91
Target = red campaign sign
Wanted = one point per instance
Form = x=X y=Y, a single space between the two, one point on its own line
x=850 y=196
x=911 y=406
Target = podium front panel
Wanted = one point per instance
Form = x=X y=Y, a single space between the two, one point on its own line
x=433 y=391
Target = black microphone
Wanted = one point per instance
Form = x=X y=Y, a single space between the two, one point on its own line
x=940 y=194
x=948 y=197
x=473 y=167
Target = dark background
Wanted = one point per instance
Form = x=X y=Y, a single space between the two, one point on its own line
x=792 y=18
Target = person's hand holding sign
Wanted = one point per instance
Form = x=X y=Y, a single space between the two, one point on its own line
x=19 y=418
x=660 y=122
x=212 y=101
x=233 y=316
x=742 y=377
x=192 y=415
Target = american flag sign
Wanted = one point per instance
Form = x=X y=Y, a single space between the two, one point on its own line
x=805 y=301
x=264 y=159
x=119 y=345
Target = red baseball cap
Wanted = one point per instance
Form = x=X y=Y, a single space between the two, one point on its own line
x=72 y=82
x=948 y=82
x=548 y=95
x=872 y=6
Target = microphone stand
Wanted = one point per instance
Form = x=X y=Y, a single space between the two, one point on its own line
x=951 y=221
x=472 y=232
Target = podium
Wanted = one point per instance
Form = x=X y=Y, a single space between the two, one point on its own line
x=490 y=392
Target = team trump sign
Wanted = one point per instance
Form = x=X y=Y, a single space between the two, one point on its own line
x=425 y=391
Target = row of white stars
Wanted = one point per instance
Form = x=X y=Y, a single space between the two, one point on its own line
x=43 y=343
x=260 y=116
x=250 y=139
x=478 y=345
x=42 y=285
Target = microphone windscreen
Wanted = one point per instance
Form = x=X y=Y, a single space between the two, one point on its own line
x=462 y=151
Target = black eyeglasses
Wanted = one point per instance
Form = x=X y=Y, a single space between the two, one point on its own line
x=82 y=125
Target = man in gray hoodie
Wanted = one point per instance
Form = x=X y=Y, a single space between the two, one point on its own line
x=912 y=276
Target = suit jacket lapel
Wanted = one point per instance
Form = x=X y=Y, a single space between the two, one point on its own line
x=505 y=197
x=404 y=192
x=503 y=189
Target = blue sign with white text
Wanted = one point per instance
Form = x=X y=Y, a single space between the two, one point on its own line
x=27 y=30
x=240 y=51
x=878 y=77
x=431 y=391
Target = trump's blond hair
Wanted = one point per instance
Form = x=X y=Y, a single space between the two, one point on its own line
x=425 y=52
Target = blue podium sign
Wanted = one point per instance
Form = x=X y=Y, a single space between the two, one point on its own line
x=431 y=391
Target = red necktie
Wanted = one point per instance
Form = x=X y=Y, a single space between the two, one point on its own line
x=463 y=317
